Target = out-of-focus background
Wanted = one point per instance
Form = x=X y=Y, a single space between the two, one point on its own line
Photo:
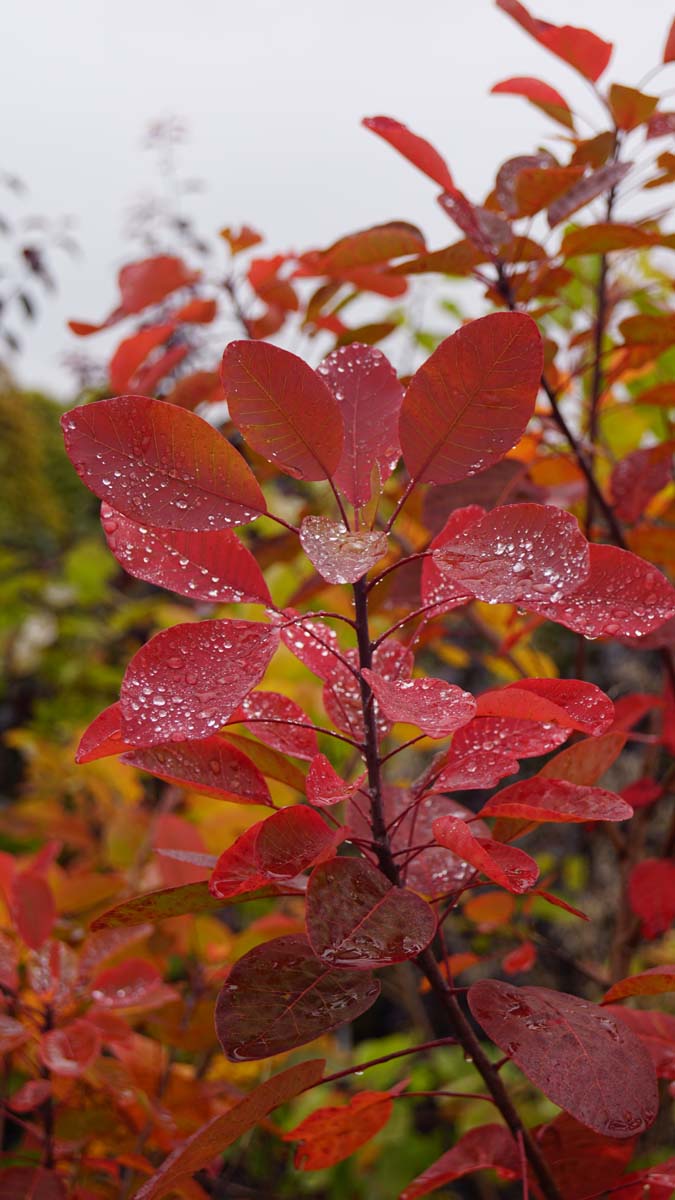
x=269 y=98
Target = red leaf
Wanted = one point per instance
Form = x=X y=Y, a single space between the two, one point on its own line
x=536 y=188
x=339 y=555
x=132 y=353
x=31 y=1183
x=471 y=400
x=652 y=982
x=211 y=766
x=630 y=107
x=158 y=463
x=517 y=554
x=312 y=641
x=656 y=1031
x=638 y=477
x=128 y=985
x=416 y=149
x=437 y=586
x=103 y=737
x=538 y=93
x=484 y=752
x=342 y=694
x=277 y=848
x=30 y=1095
x=583 y=50
x=582 y=1162
x=237 y=870
x=283 y=408
x=651 y=891
x=351 y=256
x=152 y=279
x=212 y=565
x=587 y=189
x=157 y=906
x=240 y=239
x=187 y=680
x=519 y=960
x=603 y=239
x=642 y=793
x=279 y=722
x=622 y=595
x=433 y=705
x=181 y=848
x=479 y=1149
x=366 y=388
x=356 y=918
x=669 y=48
x=585 y=762
x=329 y=1135
x=325 y=787
x=197 y=311
x=578 y=1055
x=32 y=907
x=69 y=1051
x=541 y=799
x=568 y=702
x=511 y=868
x=219 y=1133
x=279 y=996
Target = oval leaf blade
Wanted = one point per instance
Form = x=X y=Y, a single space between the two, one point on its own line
x=211 y=766
x=338 y=555
x=433 y=705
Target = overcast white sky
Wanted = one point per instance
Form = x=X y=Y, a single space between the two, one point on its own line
x=273 y=92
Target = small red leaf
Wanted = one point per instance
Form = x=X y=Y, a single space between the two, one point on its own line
x=130 y=984
x=433 y=705
x=568 y=702
x=642 y=793
x=656 y=1031
x=622 y=596
x=585 y=762
x=630 y=107
x=329 y=1135
x=211 y=766
x=652 y=982
x=30 y=1095
x=132 y=353
x=517 y=554
x=471 y=400
x=213 y=1138
x=541 y=799
x=366 y=387
x=279 y=996
x=212 y=565
x=32 y=907
x=156 y=462
x=152 y=279
x=339 y=555
x=70 y=1050
x=669 y=48
x=356 y=252
x=186 y=681
x=437 y=586
x=196 y=311
x=416 y=149
x=103 y=737
x=541 y=94
x=513 y=869
x=283 y=408
x=277 y=848
x=651 y=891
x=488 y=1146
x=575 y=1052
x=519 y=960
x=584 y=51
x=638 y=477
x=312 y=641
x=324 y=786
x=279 y=722
x=342 y=694
x=357 y=919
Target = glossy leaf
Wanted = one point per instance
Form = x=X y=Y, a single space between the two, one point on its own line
x=366 y=387
x=339 y=555
x=287 y=728
x=585 y=762
x=357 y=919
x=160 y=464
x=284 y=409
x=622 y=596
x=508 y=866
x=568 y=702
x=324 y=786
x=652 y=982
x=273 y=850
x=269 y=761
x=70 y=1050
x=433 y=705
x=186 y=681
x=127 y=985
x=103 y=736
x=575 y=1052
x=222 y=1131
x=656 y=1031
x=212 y=565
x=583 y=50
x=651 y=891
x=471 y=400
x=488 y=1146
x=517 y=554
x=210 y=766
x=540 y=94
x=280 y=996
x=437 y=586
x=158 y=906
x=342 y=692
x=312 y=641
x=542 y=799
x=581 y=1161
x=413 y=147
x=329 y=1135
